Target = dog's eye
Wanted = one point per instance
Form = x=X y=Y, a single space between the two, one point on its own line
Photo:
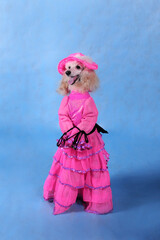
x=78 y=67
x=69 y=67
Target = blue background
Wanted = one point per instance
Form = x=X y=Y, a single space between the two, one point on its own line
x=123 y=38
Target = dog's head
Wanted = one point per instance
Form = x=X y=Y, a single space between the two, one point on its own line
x=76 y=76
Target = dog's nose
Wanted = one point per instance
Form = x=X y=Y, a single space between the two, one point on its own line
x=68 y=73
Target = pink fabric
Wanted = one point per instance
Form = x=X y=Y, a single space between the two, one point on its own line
x=75 y=172
x=76 y=57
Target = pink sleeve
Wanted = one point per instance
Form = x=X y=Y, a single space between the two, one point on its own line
x=89 y=118
x=90 y=115
x=65 y=122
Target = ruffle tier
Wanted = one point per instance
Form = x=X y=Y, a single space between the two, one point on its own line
x=80 y=162
x=73 y=171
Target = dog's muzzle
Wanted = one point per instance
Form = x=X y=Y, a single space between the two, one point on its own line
x=75 y=78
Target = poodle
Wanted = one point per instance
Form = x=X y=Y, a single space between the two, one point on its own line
x=77 y=77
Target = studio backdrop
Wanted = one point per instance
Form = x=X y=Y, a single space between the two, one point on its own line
x=123 y=38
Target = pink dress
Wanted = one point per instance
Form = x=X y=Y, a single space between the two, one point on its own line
x=82 y=172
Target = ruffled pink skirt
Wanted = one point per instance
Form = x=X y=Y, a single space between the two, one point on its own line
x=80 y=173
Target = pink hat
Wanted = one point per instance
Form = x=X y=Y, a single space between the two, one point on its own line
x=86 y=61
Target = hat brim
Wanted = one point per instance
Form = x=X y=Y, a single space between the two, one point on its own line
x=62 y=63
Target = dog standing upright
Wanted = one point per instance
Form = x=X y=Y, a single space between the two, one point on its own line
x=79 y=167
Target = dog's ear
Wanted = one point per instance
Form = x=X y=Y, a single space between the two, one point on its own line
x=63 y=87
x=90 y=81
x=94 y=81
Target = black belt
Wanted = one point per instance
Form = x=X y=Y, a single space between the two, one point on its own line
x=77 y=136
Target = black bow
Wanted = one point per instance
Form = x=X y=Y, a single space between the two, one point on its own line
x=77 y=136
x=63 y=139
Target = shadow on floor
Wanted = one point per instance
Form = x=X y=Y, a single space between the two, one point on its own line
x=136 y=189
